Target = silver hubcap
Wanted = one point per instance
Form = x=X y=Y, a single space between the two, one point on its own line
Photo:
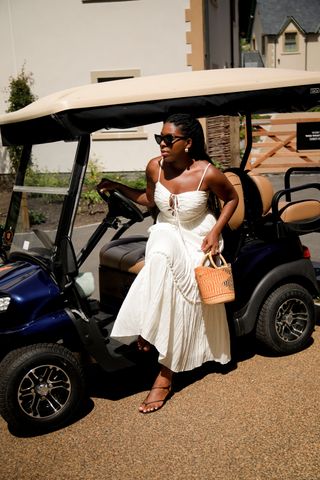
x=44 y=391
x=291 y=320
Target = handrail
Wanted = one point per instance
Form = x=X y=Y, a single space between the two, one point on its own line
x=296 y=169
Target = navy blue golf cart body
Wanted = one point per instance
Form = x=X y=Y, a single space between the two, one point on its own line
x=49 y=321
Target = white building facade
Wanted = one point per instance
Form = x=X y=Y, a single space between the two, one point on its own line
x=65 y=43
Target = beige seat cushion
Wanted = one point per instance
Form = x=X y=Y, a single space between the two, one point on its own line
x=265 y=190
x=238 y=217
x=295 y=211
x=300 y=211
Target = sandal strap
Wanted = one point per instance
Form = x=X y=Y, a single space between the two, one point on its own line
x=154 y=401
x=159 y=401
x=162 y=388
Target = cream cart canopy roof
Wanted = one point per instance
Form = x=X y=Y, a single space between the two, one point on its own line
x=68 y=114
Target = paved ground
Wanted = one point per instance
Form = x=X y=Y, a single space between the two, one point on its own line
x=257 y=419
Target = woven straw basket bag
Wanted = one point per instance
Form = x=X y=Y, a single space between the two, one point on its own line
x=215 y=282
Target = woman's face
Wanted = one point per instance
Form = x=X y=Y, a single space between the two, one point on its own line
x=174 y=143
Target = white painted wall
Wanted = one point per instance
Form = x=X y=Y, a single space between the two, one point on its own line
x=219 y=35
x=313 y=53
x=62 y=41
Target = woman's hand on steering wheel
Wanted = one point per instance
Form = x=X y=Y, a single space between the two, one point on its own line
x=106 y=185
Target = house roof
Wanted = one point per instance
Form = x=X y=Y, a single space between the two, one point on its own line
x=274 y=14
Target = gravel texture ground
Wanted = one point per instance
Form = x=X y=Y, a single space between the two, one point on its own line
x=258 y=419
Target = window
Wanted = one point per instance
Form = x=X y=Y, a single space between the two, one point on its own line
x=115 y=133
x=290 y=42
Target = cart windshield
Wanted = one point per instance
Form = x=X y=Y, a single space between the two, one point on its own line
x=35 y=208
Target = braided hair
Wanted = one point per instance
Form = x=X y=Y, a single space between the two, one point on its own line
x=191 y=128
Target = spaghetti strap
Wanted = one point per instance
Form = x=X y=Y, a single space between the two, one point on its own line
x=205 y=171
x=160 y=165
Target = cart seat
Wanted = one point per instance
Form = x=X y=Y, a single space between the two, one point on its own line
x=300 y=210
x=125 y=254
x=238 y=216
x=305 y=211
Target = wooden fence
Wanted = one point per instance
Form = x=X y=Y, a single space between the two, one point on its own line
x=274 y=147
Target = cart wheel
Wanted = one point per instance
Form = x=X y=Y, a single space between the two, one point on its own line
x=287 y=319
x=41 y=386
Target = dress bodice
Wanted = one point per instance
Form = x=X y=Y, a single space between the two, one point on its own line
x=180 y=207
x=185 y=207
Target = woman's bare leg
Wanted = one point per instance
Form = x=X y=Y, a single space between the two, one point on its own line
x=159 y=392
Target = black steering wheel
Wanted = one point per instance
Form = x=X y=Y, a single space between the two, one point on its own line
x=121 y=206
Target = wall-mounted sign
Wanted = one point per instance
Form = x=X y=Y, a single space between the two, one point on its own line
x=308 y=136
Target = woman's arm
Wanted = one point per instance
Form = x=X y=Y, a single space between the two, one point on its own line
x=218 y=183
x=143 y=197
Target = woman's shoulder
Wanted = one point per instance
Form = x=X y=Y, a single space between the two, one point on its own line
x=211 y=174
x=154 y=163
x=153 y=166
x=207 y=165
x=203 y=165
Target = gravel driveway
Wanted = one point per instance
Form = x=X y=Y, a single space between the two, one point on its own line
x=256 y=420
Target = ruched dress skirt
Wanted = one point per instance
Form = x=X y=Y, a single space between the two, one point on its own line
x=163 y=303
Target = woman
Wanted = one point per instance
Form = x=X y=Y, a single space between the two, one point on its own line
x=163 y=307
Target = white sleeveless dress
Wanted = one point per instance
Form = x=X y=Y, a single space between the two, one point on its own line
x=163 y=303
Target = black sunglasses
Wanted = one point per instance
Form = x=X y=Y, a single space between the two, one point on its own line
x=167 y=139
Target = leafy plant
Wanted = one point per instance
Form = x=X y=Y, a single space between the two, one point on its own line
x=138 y=182
x=90 y=196
x=216 y=163
x=45 y=178
x=20 y=95
x=36 y=217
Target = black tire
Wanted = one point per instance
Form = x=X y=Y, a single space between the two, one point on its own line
x=41 y=387
x=287 y=319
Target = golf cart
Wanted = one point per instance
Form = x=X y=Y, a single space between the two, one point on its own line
x=49 y=322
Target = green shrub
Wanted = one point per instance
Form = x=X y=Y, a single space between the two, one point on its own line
x=90 y=197
x=20 y=95
x=36 y=217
